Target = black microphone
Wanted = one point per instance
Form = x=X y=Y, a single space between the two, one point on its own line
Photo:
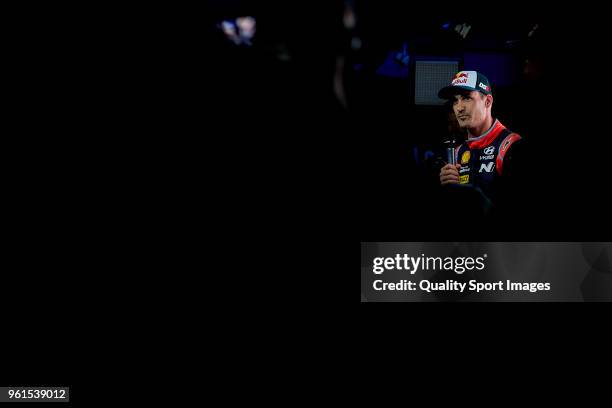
x=450 y=150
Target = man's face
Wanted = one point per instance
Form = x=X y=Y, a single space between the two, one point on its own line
x=470 y=108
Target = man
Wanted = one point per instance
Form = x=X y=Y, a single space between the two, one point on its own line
x=482 y=158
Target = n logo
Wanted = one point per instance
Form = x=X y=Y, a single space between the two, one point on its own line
x=488 y=167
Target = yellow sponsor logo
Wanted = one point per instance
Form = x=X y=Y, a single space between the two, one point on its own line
x=464 y=179
x=465 y=157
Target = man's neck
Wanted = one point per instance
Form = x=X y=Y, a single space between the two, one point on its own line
x=478 y=131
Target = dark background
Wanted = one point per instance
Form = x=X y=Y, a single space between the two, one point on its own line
x=549 y=86
x=280 y=143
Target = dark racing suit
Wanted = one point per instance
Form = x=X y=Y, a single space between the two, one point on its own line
x=482 y=159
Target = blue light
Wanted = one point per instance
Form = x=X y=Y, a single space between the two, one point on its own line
x=446 y=26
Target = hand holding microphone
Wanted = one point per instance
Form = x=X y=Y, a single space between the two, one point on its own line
x=450 y=174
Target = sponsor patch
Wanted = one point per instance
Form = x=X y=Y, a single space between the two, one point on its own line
x=487 y=167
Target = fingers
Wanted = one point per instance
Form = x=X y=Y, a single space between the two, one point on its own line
x=450 y=170
x=449 y=179
x=449 y=174
x=452 y=167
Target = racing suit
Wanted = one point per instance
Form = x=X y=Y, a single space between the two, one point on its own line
x=482 y=159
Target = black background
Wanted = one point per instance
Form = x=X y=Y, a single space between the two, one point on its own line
x=357 y=159
x=85 y=119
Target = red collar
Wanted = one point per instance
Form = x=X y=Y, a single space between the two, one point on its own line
x=487 y=137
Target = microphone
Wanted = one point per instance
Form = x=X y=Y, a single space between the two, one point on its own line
x=450 y=150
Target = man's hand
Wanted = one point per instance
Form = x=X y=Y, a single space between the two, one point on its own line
x=450 y=174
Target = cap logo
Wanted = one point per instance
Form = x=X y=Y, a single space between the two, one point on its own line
x=483 y=86
x=465 y=78
x=460 y=78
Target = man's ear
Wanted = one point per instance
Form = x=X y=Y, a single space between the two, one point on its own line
x=489 y=101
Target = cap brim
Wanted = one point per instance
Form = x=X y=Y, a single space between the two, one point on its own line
x=449 y=91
